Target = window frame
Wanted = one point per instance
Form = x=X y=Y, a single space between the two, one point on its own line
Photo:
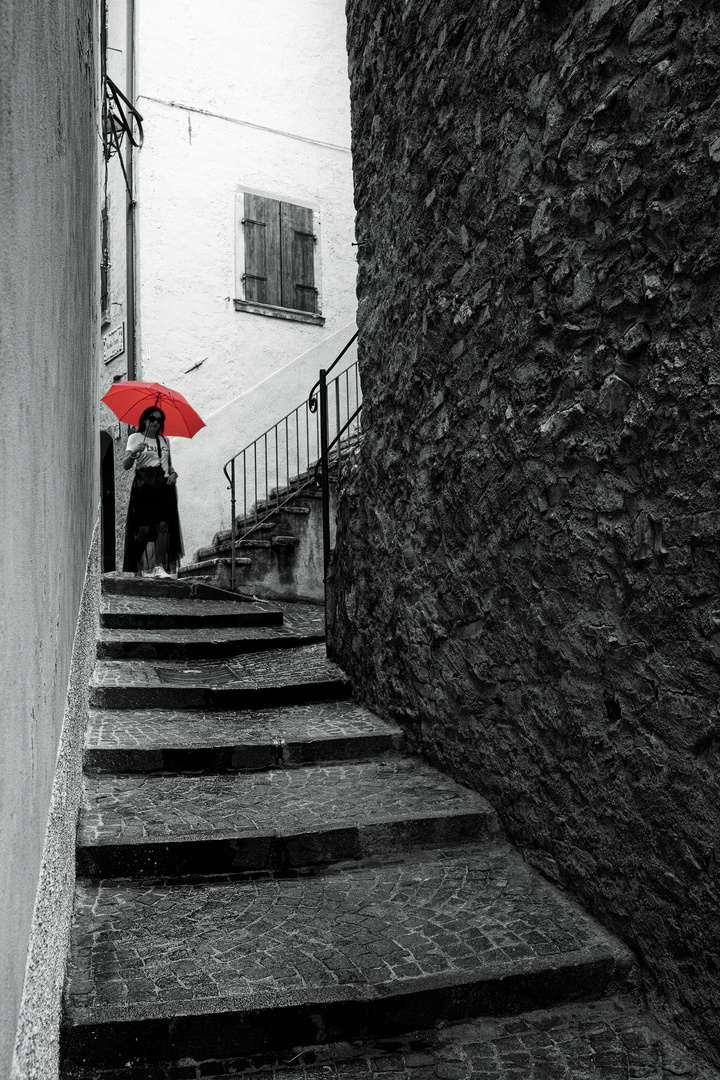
x=255 y=307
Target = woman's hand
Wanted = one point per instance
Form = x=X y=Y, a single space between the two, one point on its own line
x=131 y=456
x=172 y=477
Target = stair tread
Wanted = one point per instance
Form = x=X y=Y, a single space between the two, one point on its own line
x=191 y=644
x=157 y=728
x=160 y=605
x=610 y=1039
x=358 y=933
x=209 y=634
x=130 y=612
x=119 y=583
x=287 y=667
x=170 y=809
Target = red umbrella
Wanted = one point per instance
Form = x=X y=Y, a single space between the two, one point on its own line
x=128 y=400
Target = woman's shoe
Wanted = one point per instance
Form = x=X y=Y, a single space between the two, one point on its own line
x=160 y=572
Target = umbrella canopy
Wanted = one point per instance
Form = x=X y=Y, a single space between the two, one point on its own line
x=128 y=400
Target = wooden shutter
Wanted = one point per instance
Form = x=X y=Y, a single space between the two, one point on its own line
x=261 y=230
x=298 y=257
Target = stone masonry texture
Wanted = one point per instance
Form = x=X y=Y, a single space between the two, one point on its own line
x=602 y=1041
x=526 y=572
x=480 y=913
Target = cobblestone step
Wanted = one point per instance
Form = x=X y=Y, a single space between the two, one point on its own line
x=170 y=973
x=162 y=740
x=199 y=644
x=165 y=613
x=122 y=584
x=611 y=1039
x=207 y=568
x=607 y=1040
x=151 y=826
x=255 y=680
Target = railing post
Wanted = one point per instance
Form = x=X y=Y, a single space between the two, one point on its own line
x=322 y=393
x=232 y=525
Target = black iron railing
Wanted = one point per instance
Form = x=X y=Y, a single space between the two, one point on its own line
x=285 y=460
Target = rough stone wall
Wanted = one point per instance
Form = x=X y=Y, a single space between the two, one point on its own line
x=528 y=554
x=49 y=480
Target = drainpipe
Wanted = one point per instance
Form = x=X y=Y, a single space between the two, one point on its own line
x=130 y=202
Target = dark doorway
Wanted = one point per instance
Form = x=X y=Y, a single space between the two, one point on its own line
x=107 y=480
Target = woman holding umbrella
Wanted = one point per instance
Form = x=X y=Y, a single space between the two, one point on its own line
x=152 y=512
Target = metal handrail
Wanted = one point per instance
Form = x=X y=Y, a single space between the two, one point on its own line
x=312 y=396
x=277 y=466
x=344 y=428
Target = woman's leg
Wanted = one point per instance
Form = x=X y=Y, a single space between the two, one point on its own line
x=142 y=540
x=161 y=544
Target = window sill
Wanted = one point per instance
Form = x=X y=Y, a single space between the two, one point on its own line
x=292 y=314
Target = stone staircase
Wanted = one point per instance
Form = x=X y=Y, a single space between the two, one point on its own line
x=269 y=884
x=282 y=557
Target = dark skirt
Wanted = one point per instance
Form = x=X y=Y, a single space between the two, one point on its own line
x=152 y=500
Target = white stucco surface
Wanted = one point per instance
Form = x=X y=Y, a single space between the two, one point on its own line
x=275 y=63
x=49 y=344
x=203 y=494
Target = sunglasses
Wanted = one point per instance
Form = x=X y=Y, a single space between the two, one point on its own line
x=155 y=419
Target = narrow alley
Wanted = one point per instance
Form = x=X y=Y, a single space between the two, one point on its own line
x=268 y=883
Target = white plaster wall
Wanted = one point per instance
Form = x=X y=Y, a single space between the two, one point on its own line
x=204 y=497
x=116 y=65
x=49 y=338
x=282 y=63
x=277 y=63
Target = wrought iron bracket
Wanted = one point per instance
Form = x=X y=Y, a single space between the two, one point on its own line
x=120 y=119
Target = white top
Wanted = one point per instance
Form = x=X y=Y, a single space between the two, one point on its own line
x=149 y=458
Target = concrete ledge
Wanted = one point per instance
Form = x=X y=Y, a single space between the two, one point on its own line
x=38 y=1031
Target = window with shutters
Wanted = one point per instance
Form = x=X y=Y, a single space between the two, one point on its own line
x=276 y=258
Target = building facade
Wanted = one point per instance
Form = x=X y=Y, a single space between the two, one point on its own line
x=243 y=221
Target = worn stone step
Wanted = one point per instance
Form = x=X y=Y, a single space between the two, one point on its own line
x=276 y=820
x=211 y=569
x=245 y=547
x=251 y=681
x=189 y=972
x=222 y=541
x=122 y=584
x=289 y=512
x=155 y=613
x=610 y=1039
x=190 y=644
x=161 y=740
x=224 y=536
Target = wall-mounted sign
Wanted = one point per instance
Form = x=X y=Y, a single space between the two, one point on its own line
x=114 y=343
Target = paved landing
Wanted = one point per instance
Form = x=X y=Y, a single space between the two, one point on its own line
x=238 y=682
x=317 y=813
x=478 y=918
x=119 y=583
x=127 y=740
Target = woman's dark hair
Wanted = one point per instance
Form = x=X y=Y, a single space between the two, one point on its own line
x=142 y=422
